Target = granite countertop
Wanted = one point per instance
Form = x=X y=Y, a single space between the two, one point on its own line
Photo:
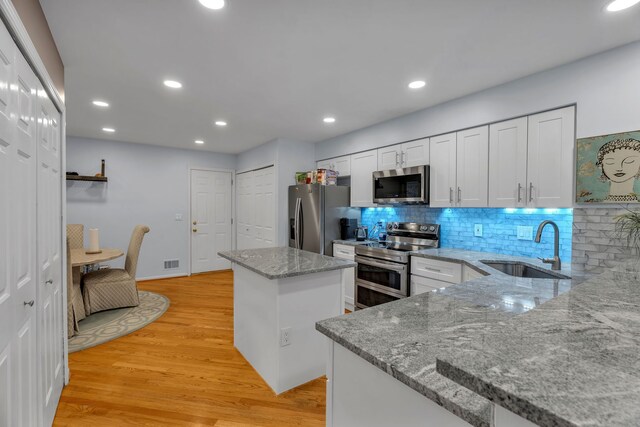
x=570 y=362
x=278 y=263
x=404 y=338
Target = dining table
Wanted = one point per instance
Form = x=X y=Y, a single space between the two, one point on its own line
x=81 y=257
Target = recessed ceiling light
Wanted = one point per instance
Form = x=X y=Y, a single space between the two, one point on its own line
x=109 y=130
x=98 y=103
x=421 y=83
x=221 y=123
x=172 y=84
x=212 y=4
x=329 y=120
x=199 y=141
x=618 y=5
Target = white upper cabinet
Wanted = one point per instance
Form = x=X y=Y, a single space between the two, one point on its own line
x=472 y=168
x=550 y=161
x=325 y=164
x=342 y=165
x=415 y=153
x=508 y=163
x=442 y=151
x=389 y=157
x=408 y=154
x=362 y=167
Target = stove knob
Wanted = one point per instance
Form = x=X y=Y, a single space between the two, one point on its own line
x=432 y=228
x=395 y=225
x=423 y=228
x=389 y=226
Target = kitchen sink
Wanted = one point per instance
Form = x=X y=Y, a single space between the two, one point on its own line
x=518 y=269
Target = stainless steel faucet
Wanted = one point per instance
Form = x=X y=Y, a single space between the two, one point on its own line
x=555 y=262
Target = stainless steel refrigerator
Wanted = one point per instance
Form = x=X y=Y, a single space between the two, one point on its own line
x=314 y=216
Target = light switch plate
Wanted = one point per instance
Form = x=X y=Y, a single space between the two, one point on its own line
x=524 y=232
x=477 y=230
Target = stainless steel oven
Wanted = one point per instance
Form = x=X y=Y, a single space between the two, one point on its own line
x=382 y=272
x=384 y=276
x=402 y=186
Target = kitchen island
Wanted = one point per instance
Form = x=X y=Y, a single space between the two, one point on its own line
x=279 y=295
x=382 y=361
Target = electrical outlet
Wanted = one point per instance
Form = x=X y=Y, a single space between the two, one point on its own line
x=285 y=337
x=178 y=217
x=477 y=230
x=524 y=232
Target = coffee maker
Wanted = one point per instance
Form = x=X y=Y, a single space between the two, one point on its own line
x=348 y=228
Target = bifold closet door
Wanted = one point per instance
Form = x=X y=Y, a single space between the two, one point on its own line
x=49 y=241
x=18 y=368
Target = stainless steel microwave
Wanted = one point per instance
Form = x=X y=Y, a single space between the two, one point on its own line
x=402 y=186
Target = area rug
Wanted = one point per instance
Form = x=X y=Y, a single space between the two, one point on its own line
x=105 y=326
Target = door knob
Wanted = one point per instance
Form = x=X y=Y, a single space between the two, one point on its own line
x=30 y=303
x=195 y=222
x=195 y=230
x=49 y=282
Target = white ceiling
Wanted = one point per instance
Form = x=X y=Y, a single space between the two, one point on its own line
x=275 y=68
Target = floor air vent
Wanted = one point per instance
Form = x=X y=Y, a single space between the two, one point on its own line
x=172 y=263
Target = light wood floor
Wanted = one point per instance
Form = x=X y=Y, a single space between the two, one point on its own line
x=182 y=370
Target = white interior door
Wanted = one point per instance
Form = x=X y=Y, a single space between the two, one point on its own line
x=244 y=212
x=264 y=206
x=49 y=283
x=211 y=220
x=8 y=161
x=256 y=209
x=23 y=245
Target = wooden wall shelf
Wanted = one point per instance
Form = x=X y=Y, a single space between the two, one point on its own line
x=86 y=178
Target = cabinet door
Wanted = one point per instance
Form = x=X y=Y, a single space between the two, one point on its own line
x=472 y=170
x=415 y=153
x=325 y=164
x=342 y=165
x=442 y=152
x=389 y=157
x=508 y=163
x=363 y=165
x=550 y=160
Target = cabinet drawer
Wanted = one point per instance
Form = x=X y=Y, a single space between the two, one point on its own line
x=344 y=251
x=421 y=285
x=435 y=269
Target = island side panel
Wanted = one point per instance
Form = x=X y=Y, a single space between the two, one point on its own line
x=364 y=395
x=255 y=322
x=303 y=301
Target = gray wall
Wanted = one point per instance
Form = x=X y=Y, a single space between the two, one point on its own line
x=604 y=86
x=147 y=185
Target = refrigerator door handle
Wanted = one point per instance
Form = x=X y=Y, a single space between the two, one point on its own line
x=296 y=225
x=301 y=225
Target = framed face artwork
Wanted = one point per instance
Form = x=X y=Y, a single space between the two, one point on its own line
x=608 y=169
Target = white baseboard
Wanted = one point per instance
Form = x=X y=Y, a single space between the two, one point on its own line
x=166 y=276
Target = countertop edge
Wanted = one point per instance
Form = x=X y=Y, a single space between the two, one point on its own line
x=346 y=264
x=452 y=407
x=496 y=395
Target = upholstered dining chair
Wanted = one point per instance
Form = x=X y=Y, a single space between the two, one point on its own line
x=115 y=287
x=75 y=234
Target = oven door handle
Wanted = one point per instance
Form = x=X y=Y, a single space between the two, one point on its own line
x=382 y=264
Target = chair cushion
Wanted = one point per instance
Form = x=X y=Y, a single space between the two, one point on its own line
x=106 y=275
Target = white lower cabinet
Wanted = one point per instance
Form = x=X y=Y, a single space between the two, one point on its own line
x=349 y=276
